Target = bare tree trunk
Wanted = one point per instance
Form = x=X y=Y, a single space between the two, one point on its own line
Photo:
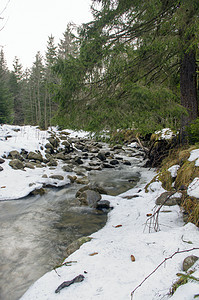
x=188 y=89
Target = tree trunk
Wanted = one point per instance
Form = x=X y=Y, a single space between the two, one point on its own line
x=188 y=88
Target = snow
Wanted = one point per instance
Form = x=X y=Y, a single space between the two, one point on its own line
x=173 y=170
x=194 y=155
x=105 y=261
x=165 y=134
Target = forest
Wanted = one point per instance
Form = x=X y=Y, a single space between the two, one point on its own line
x=134 y=66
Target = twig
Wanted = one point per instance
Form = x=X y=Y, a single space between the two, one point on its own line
x=153 y=219
x=177 y=252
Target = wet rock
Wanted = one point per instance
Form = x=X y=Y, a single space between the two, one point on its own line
x=76 y=245
x=114 y=162
x=35 y=156
x=103 y=205
x=72 y=178
x=78 y=160
x=127 y=162
x=16 y=164
x=101 y=156
x=61 y=156
x=40 y=192
x=79 y=171
x=168 y=199
x=188 y=262
x=83 y=180
x=58 y=177
x=90 y=198
x=107 y=165
x=2 y=160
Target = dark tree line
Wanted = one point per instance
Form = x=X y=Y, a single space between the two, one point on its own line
x=134 y=66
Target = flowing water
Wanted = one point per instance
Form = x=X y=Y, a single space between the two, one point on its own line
x=35 y=231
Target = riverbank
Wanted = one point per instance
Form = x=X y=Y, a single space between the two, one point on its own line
x=123 y=256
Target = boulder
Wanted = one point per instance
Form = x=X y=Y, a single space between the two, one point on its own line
x=16 y=164
x=168 y=199
x=114 y=162
x=103 y=205
x=188 y=262
x=35 y=156
x=90 y=198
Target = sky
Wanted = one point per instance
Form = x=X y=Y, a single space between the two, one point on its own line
x=26 y=25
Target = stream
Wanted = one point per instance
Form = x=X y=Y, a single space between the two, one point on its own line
x=36 y=230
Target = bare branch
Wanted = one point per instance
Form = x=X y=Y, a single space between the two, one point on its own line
x=167 y=258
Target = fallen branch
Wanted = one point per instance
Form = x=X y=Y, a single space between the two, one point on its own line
x=64 y=284
x=153 y=219
x=167 y=258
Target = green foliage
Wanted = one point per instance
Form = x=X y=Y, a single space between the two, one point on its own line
x=183 y=279
x=193 y=131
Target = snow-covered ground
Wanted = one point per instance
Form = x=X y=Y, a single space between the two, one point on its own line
x=15 y=184
x=123 y=256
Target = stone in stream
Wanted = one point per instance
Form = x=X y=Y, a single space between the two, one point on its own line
x=16 y=164
x=90 y=198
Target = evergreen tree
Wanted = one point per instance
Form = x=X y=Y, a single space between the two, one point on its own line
x=6 y=100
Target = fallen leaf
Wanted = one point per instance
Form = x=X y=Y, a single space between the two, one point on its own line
x=132 y=258
x=94 y=253
x=3 y=187
x=117 y=226
x=148 y=215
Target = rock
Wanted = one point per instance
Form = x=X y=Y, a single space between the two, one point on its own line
x=76 y=245
x=29 y=165
x=114 y=162
x=15 y=155
x=90 y=198
x=107 y=165
x=67 y=168
x=44 y=176
x=83 y=180
x=101 y=156
x=188 y=262
x=35 y=156
x=172 y=200
x=72 y=178
x=58 y=177
x=16 y=164
x=1 y=169
x=78 y=160
x=52 y=163
x=54 y=141
x=103 y=204
x=40 y=192
x=2 y=160
x=61 y=156
x=127 y=163
x=49 y=148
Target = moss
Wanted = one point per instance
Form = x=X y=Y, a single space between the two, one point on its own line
x=166 y=179
x=186 y=174
x=148 y=184
x=191 y=210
